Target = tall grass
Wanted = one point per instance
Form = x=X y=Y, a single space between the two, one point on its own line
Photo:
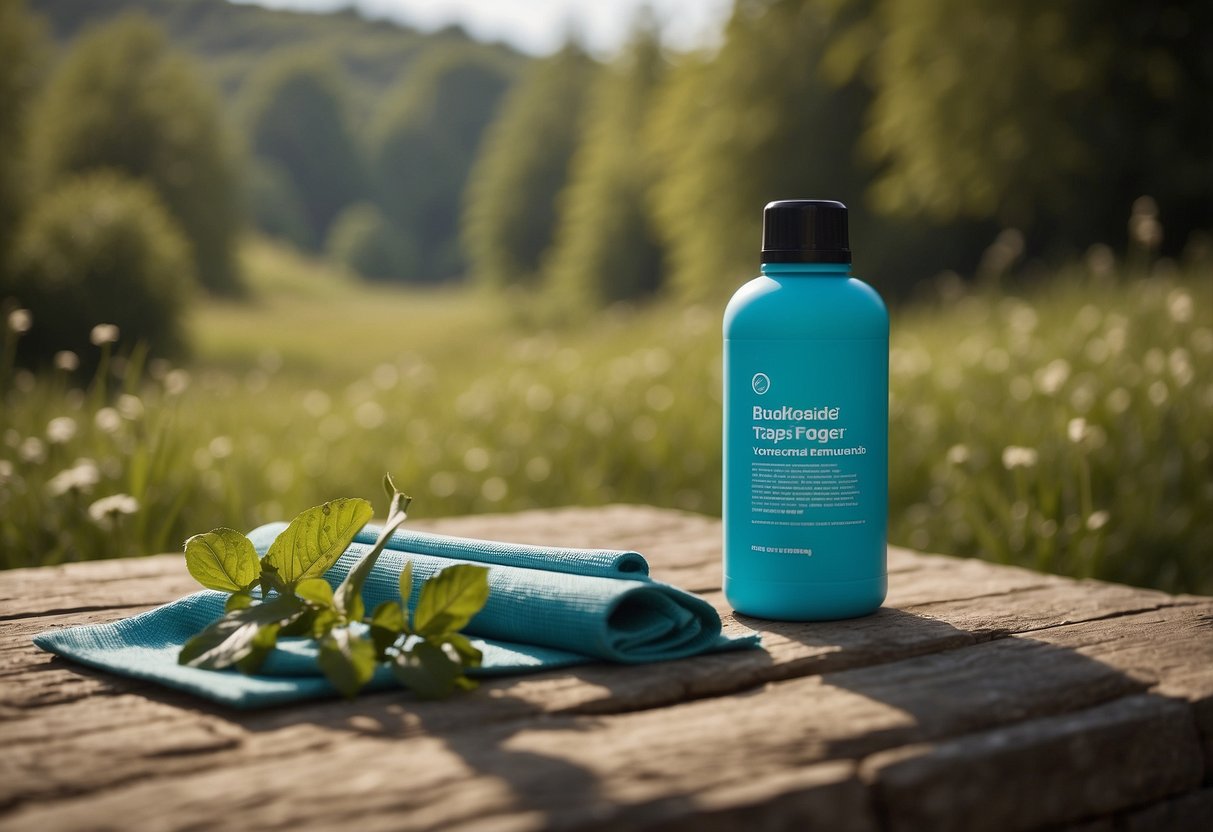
x=1066 y=428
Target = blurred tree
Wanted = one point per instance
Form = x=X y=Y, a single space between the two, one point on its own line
x=425 y=140
x=123 y=99
x=1049 y=117
x=362 y=240
x=606 y=247
x=775 y=115
x=274 y=205
x=294 y=107
x=510 y=215
x=100 y=249
x=20 y=45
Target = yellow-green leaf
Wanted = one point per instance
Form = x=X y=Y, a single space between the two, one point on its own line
x=238 y=601
x=317 y=538
x=316 y=591
x=427 y=671
x=238 y=637
x=406 y=582
x=222 y=559
x=347 y=661
x=449 y=599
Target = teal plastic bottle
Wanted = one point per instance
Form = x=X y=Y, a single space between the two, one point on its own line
x=806 y=409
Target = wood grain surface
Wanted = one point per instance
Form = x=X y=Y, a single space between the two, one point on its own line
x=981 y=697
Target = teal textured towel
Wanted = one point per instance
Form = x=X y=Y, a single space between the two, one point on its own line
x=548 y=607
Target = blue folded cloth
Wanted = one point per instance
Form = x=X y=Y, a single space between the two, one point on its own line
x=547 y=608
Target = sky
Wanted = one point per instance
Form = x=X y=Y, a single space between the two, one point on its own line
x=540 y=26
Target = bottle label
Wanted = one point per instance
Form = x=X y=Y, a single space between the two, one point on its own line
x=806 y=479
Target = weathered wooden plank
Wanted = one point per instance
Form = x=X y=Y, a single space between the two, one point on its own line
x=1171 y=648
x=651 y=766
x=1192 y=812
x=599 y=745
x=130 y=582
x=684 y=549
x=791 y=649
x=1043 y=771
x=823 y=796
x=1146 y=649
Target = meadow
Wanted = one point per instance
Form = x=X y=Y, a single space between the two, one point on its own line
x=1064 y=425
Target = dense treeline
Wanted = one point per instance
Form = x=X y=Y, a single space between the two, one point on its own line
x=946 y=125
x=120 y=188
x=358 y=135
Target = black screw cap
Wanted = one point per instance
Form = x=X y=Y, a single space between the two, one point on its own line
x=805 y=231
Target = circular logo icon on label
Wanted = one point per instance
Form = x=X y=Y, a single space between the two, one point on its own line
x=761 y=383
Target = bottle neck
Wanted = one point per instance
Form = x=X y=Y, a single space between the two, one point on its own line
x=806 y=269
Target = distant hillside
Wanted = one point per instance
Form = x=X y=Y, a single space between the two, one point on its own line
x=231 y=39
x=360 y=134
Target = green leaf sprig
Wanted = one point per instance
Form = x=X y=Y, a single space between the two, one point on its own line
x=425 y=650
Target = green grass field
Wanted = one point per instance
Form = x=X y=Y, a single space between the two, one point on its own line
x=1067 y=429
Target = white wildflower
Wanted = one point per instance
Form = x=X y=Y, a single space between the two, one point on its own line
x=443 y=484
x=1077 y=430
x=538 y=468
x=32 y=449
x=108 y=420
x=220 y=447
x=476 y=459
x=158 y=368
x=1050 y=378
x=176 y=381
x=1017 y=456
x=1180 y=364
x=1158 y=393
x=104 y=334
x=60 y=430
x=107 y=510
x=1179 y=306
x=1097 y=520
x=6 y=470
x=67 y=361
x=958 y=454
x=385 y=376
x=370 y=415
x=20 y=320
x=130 y=406
x=494 y=489
x=81 y=477
x=1118 y=400
x=316 y=403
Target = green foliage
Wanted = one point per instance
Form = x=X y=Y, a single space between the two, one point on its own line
x=510 y=214
x=425 y=140
x=243 y=638
x=100 y=249
x=626 y=408
x=428 y=657
x=605 y=247
x=294 y=107
x=224 y=560
x=1047 y=118
x=449 y=600
x=20 y=47
x=363 y=241
x=316 y=538
x=775 y=115
x=274 y=205
x=123 y=99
